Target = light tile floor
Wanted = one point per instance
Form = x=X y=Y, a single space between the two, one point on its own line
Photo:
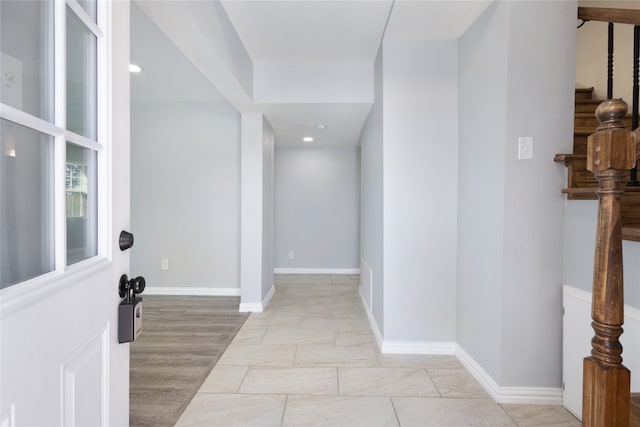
x=311 y=360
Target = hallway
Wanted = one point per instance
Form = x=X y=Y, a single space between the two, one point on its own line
x=311 y=359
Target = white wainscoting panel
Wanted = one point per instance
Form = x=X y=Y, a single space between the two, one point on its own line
x=576 y=345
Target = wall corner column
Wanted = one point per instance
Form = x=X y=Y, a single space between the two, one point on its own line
x=251 y=211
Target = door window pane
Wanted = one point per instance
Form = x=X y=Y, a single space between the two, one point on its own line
x=26 y=203
x=81 y=78
x=82 y=204
x=26 y=56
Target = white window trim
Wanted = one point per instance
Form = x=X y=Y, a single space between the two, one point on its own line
x=37 y=288
x=33 y=290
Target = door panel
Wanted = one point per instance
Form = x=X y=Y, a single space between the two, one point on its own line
x=86 y=374
x=60 y=356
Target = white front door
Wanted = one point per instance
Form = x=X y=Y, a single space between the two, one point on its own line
x=64 y=198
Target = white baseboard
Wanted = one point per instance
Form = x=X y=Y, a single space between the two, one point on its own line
x=316 y=271
x=246 y=307
x=180 y=290
x=418 y=347
x=524 y=395
x=528 y=395
x=258 y=307
x=267 y=298
x=404 y=347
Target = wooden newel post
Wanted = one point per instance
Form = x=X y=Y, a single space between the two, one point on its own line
x=611 y=151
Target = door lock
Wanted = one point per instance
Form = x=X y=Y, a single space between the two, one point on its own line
x=125 y=241
x=130 y=309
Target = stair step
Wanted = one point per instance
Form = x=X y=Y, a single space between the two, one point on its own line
x=585 y=121
x=587 y=105
x=635 y=409
x=584 y=93
x=583 y=131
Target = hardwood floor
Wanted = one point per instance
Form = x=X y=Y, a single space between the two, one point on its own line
x=182 y=339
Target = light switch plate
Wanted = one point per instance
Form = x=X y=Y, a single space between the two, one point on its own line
x=525 y=148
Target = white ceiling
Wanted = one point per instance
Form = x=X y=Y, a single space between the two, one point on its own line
x=292 y=122
x=314 y=32
x=431 y=19
x=309 y=31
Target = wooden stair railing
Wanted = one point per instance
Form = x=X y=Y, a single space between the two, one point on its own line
x=605 y=14
x=581 y=184
x=611 y=152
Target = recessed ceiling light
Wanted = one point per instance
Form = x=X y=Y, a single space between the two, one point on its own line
x=321 y=126
x=133 y=68
x=307 y=139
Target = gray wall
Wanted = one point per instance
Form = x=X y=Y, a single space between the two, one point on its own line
x=268 y=160
x=483 y=79
x=317 y=207
x=511 y=212
x=185 y=168
x=371 y=202
x=256 y=261
x=420 y=183
x=540 y=100
x=185 y=193
x=409 y=184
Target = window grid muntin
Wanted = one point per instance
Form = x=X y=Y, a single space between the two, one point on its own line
x=85 y=18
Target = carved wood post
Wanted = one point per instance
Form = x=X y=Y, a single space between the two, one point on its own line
x=611 y=151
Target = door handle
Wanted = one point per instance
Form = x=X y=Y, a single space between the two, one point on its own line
x=128 y=289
